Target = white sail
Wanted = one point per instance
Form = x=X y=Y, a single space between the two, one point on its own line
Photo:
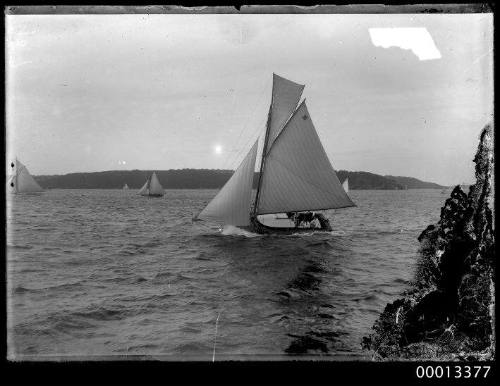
x=125 y=187
x=144 y=191
x=155 y=187
x=11 y=184
x=285 y=96
x=152 y=187
x=231 y=206
x=298 y=175
x=22 y=181
x=345 y=185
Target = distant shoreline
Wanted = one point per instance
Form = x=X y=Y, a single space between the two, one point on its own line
x=212 y=179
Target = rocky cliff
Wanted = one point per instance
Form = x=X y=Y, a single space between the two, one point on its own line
x=448 y=313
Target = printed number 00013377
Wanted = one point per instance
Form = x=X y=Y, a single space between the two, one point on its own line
x=457 y=371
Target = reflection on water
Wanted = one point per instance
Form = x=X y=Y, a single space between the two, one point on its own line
x=318 y=336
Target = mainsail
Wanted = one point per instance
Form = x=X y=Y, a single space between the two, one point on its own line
x=298 y=175
x=231 y=205
x=152 y=187
x=22 y=181
x=125 y=187
x=345 y=185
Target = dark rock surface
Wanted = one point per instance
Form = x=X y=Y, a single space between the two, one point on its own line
x=448 y=314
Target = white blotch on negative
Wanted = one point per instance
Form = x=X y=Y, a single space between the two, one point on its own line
x=419 y=40
x=218 y=149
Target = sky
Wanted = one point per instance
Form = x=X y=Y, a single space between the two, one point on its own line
x=389 y=94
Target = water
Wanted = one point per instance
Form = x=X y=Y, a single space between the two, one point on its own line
x=95 y=273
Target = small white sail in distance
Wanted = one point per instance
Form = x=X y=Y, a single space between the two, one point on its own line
x=231 y=205
x=144 y=190
x=22 y=181
x=152 y=187
x=345 y=184
x=125 y=187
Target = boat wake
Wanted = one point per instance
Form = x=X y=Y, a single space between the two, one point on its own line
x=231 y=230
x=312 y=233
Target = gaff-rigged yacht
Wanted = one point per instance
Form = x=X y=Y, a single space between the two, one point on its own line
x=296 y=178
x=152 y=187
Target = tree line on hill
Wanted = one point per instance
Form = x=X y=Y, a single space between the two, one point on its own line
x=208 y=179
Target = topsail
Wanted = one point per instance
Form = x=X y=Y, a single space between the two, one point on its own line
x=22 y=181
x=285 y=97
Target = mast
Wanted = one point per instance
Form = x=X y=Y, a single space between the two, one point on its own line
x=285 y=95
x=149 y=184
x=263 y=160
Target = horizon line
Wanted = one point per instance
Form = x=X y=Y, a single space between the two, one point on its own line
x=231 y=170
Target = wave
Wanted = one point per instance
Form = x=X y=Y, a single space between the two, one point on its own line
x=141 y=347
x=135 y=279
x=231 y=230
x=101 y=313
x=14 y=246
x=22 y=290
x=316 y=233
x=59 y=287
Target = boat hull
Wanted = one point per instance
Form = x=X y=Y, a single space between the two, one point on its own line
x=152 y=195
x=257 y=227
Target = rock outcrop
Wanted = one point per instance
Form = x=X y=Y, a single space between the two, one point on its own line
x=448 y=313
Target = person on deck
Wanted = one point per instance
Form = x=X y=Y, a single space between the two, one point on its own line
x=306 y=217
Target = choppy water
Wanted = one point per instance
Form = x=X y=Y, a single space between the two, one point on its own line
x=107 y=272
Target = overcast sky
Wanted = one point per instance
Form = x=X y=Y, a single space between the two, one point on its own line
x=121 y=92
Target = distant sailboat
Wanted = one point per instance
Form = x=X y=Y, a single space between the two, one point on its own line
x=152 y=187
x=21 y=180
x=295 y=177
x=345 y=185
x=125 y=187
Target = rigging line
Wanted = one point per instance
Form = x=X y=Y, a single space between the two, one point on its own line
x=261 y=126
x=235 y=157
x=256 y=134
x=258 y=104
x=232 y=115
